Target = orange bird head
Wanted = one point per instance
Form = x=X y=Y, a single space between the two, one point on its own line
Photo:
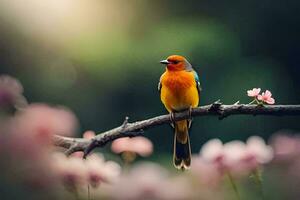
x=177 y=63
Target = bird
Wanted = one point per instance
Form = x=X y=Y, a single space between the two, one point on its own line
x=180 y=88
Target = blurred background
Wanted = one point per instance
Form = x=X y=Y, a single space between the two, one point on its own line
x=101 y=59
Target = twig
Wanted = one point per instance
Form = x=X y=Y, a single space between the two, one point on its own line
x=137 y=128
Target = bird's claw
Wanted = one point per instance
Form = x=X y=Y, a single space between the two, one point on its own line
x=172 y=119
x=190 y=117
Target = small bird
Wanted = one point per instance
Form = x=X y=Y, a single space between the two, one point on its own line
x=180 y=88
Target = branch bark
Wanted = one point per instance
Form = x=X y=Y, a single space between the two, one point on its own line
x=137 y=128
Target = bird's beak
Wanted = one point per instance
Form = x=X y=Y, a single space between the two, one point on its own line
x=165 y=62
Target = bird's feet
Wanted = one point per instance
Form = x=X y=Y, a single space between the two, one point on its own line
x=190 y=117
x=172 y=119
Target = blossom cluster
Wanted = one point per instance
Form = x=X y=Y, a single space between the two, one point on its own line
x=265 y=97
x=26 y=145
x=237 y=158
x=74 y=172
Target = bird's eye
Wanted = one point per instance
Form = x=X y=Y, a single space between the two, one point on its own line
x=174 y=61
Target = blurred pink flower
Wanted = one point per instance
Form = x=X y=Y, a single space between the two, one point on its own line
x=70 y=170
x=257 y=147
x=99 y=171
x=243 y=158
x=41 y=122
x=212 y=151
x=11 y=93
x=139 y=145
x=286 y=147
x=266 y=97
x=237 y=157
x=76 y=172
x=254 y=92
x=208 y=173
x=89 y=134
x=150 y=181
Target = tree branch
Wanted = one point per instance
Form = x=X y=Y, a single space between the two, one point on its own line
x=137 y=128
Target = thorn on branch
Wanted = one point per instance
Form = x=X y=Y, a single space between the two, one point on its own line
x=237 y=103
x=216 y=105
x=125 y=122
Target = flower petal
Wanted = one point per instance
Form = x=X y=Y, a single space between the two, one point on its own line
x=270 y=100
x=211 y=150
x=267 y=94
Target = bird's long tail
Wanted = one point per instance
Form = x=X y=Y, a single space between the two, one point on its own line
x=182 y=147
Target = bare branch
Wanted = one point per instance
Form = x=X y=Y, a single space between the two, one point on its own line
x=137 y=128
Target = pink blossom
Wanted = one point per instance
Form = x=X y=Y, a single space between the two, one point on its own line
x=286 y=147
x=208 y=173
x=99 y=171
x=266 y=97
x=143 y=181
x=41 y=122
x=76 y=172
x=212 y=151
x=257 y=147
x=254 y=92
x=234 y=152
x=70 y=170
x=237 y=157
x=89 y=134
x=139 y=145
x=150 y=181
x=242 y=158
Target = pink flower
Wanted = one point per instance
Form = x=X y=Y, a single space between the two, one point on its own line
x=208 y=173
x=212 y=151
x=286 y=147
x=254 y=92
x=99 y=171
x=139 y=145
x=89 y=134
x=70 y=170
x=76 y=172
x=242 y=158
x=266 y=97
x=257 y=147
x=41 y=122
x=237 y=157
x=150 y=181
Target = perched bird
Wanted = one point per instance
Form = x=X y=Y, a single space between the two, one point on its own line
x=180 y=88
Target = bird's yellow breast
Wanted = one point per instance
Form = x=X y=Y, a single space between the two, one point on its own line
x=179 y=90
